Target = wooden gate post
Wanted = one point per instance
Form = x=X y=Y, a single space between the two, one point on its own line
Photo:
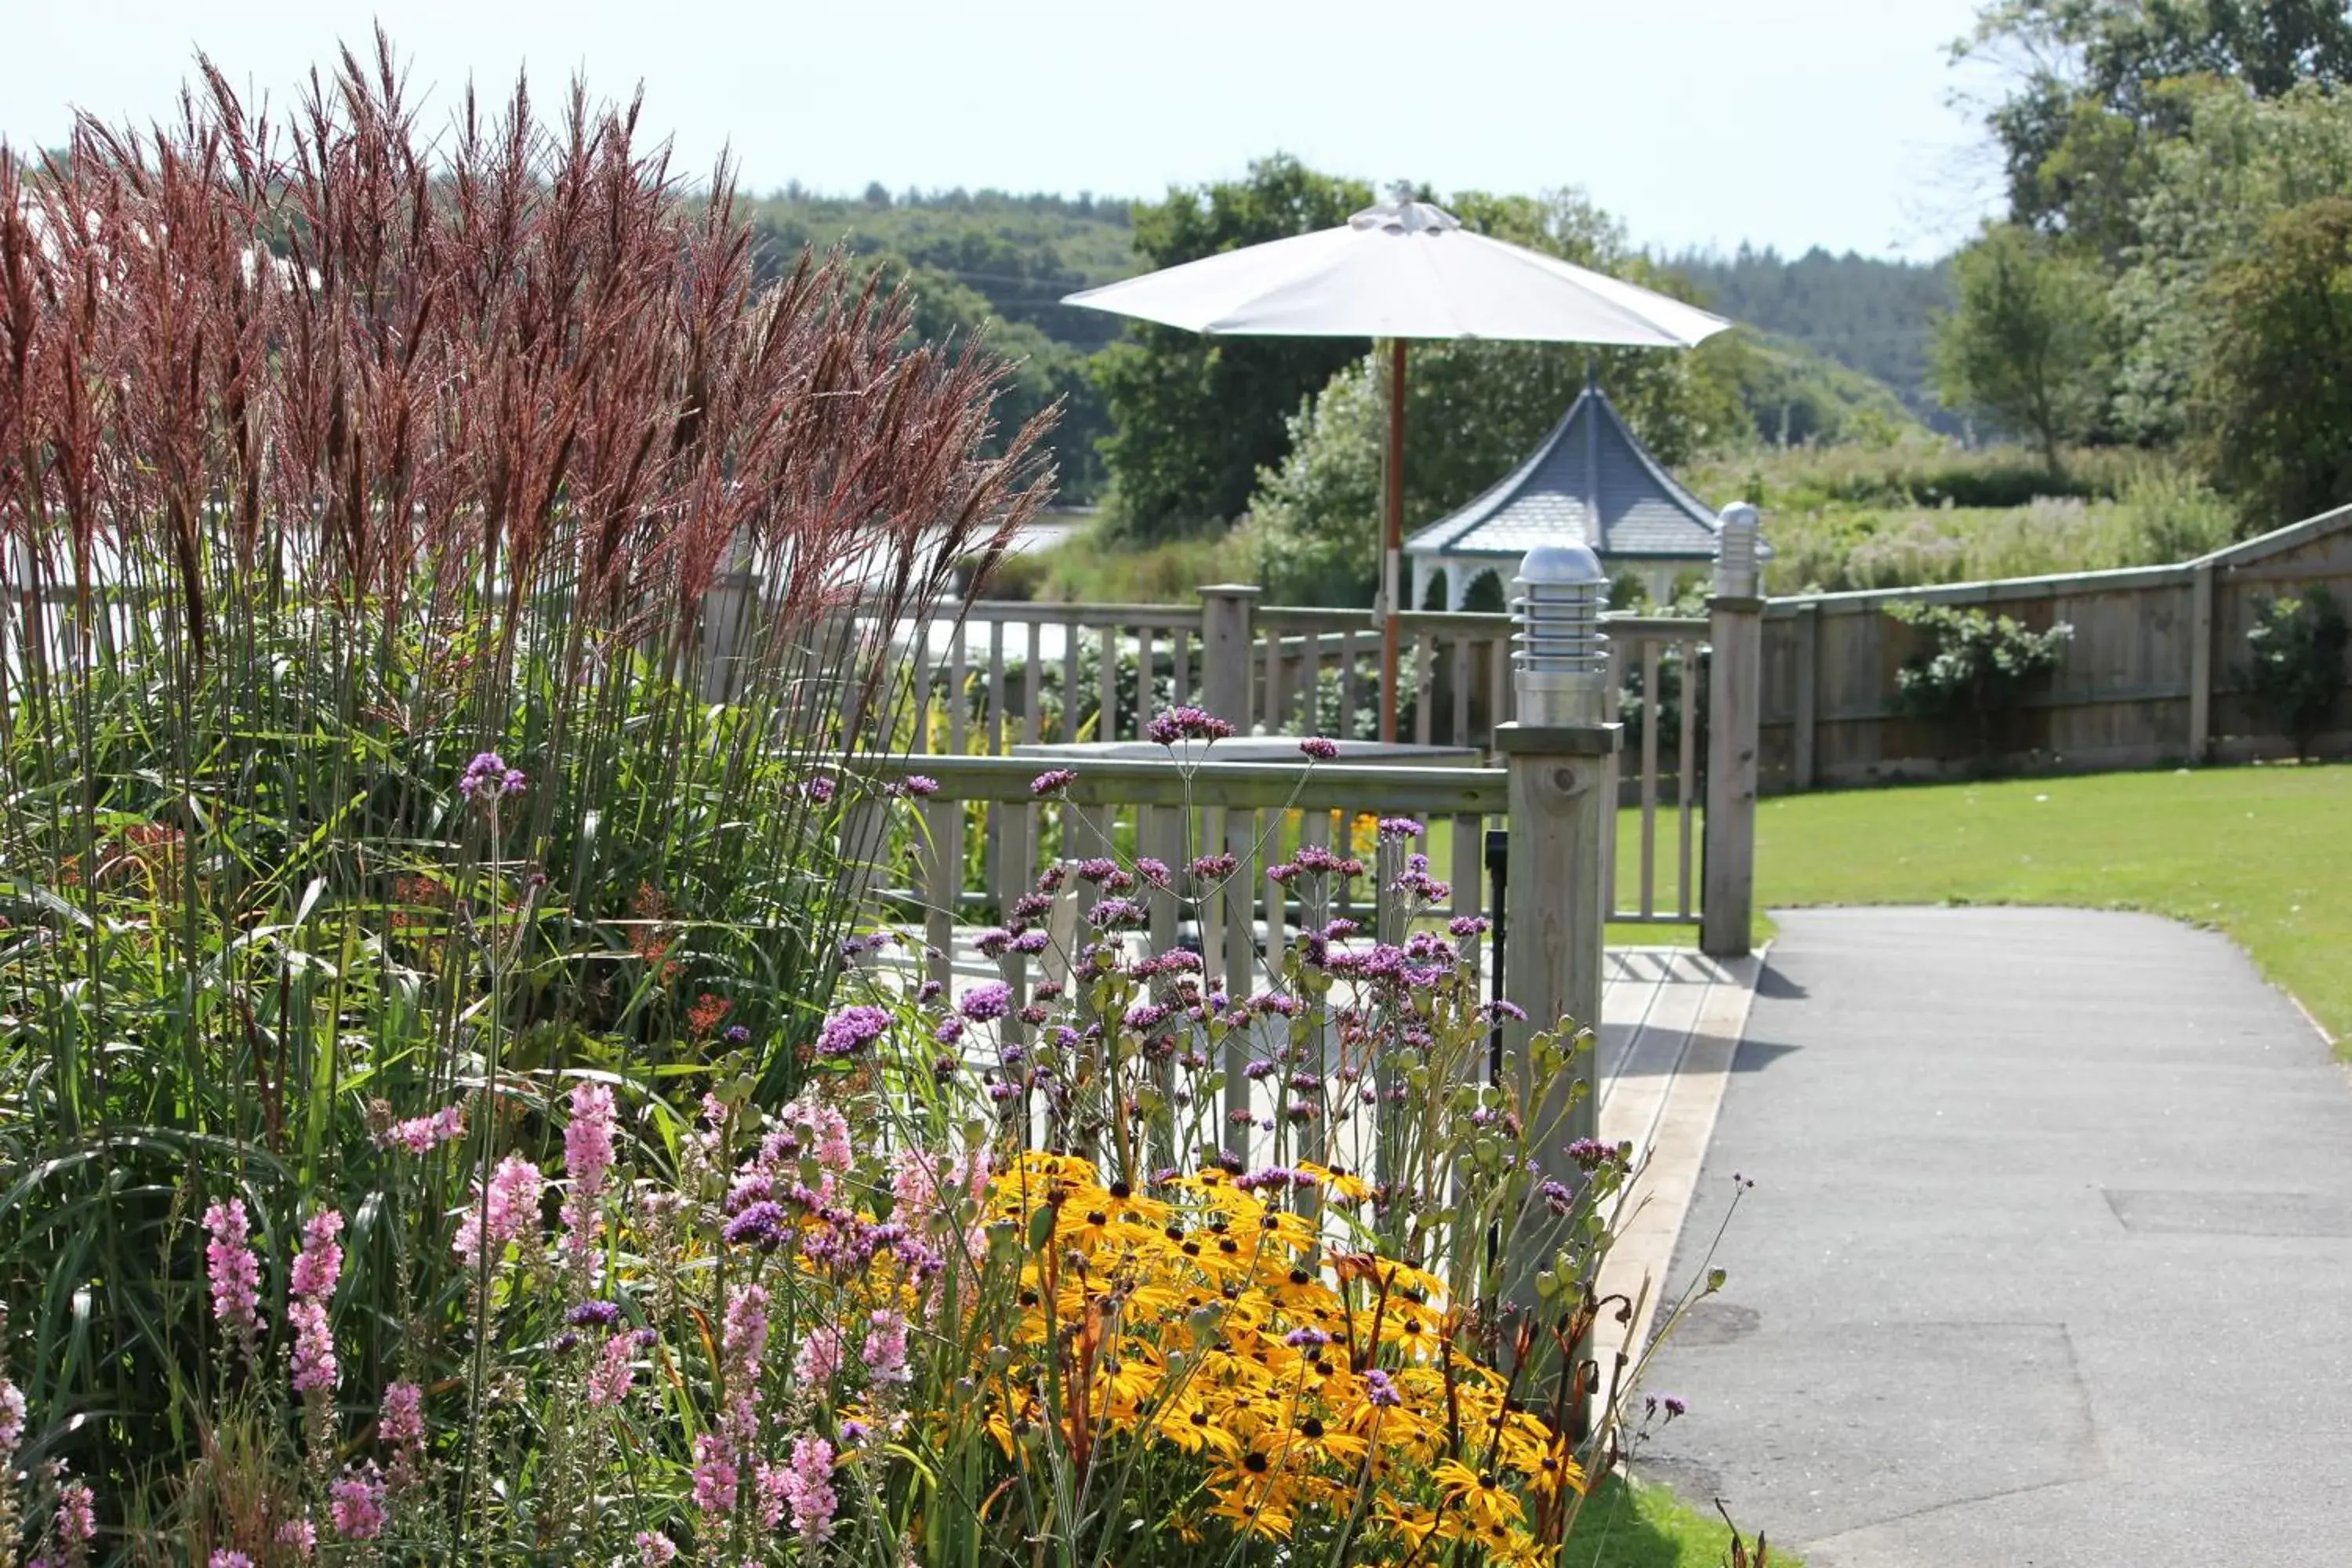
x=1734 y=688
x=1225 y=640
x=1557 y=754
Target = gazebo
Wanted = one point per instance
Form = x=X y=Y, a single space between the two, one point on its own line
x=1590 y=483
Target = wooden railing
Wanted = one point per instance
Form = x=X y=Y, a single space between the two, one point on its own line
x=1239 y=921
x=1259 y=814
x=1011 y=674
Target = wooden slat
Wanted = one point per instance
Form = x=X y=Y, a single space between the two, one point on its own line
x=1807 y=680
x=1160 y=833
x=1069 y=680
x=919 y=658
x=1031 y=682
x=993 y=742
x=1461 y=691
x=1650 y=724
x=1423 y=681
x=1147 y=700
x=1181 y=647
x=1612 y=690
x=1469 y=861
x=958 y=704
x=1270 y=824
x=1686 y=767
x=993 y=873
x=1501 y=691
x=1277 y=684
x=1350 y=693
x=1106 y=684
x=1270 y=679
x=2200 y=667
x=1239 y=973
x=941 y=852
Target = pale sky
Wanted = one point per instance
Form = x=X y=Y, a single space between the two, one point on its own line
x=1706 y=122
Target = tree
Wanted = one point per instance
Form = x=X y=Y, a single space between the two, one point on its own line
x=2089 y=89
x=2026 y=345
x=1473 y=411
x=1195 y=418
x=2273 y=405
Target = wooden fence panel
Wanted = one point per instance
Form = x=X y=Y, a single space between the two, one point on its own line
x=2155 y=670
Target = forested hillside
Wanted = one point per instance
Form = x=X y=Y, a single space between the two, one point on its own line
x=1831 y=329
x=1868 y=314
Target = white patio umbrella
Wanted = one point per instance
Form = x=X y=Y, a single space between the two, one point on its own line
x=1401 y=270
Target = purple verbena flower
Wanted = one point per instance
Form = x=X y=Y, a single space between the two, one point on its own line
x=985 y=1002
x=1053 y=781
x=1187 y=723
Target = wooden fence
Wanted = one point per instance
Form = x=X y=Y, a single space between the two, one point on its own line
x=2155 y=670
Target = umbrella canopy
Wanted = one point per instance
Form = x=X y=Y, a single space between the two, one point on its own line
x=1405 y=269
x=1401 y=270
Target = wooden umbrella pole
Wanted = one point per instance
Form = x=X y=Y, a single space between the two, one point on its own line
x=1393 y=534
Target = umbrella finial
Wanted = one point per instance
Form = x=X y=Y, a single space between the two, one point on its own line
x=1403 y=214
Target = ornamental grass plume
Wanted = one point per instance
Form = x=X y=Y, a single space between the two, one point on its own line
x=367 y=460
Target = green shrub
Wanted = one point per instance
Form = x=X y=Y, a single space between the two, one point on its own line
x=1978 y=667
x=2297 y=647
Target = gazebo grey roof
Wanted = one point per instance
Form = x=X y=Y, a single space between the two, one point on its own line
x=1589 y=483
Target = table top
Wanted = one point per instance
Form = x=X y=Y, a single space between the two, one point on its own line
x=1257 y=749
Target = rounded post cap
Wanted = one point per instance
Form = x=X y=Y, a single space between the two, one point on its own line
x=1741 y=514
x=1561 y=565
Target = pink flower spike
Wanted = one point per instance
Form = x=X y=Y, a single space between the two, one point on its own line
x=510 y=1211
x=808 y=1488
x=401 y=1421
x=886 y=1347
x=320 y=1264
x=819 y=1357
x=587 y=1158
x=77 y=1514
x=232 y=1270
x=355 y=1503
x=12 y=1422
x=314 y=1347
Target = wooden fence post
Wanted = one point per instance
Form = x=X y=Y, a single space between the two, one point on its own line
x=1225 y=651
x=1558 y=755
x=2201 y=663
x=1733 y=688
x=1803 y=733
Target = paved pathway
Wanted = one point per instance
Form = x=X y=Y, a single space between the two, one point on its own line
x=2048 y=1260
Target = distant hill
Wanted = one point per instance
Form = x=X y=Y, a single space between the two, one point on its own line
x=1021 y=253
x=993 y=259
x=1868 y=314
x=1840 y=343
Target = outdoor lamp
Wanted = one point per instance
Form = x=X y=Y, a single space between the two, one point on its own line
x=1735 y=552
x=1559 y=661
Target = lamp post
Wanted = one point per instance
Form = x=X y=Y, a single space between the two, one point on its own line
x=1558 y=752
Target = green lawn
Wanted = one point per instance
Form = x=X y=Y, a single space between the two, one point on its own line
x=2263 y=853
x=1626 y=1526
